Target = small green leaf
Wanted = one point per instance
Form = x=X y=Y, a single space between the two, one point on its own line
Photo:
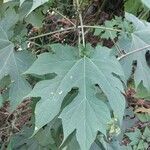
x=98 y=31
x=143 y=117
x=106 y=34
x=134 y=136
x=146 y=132
x=142 y=92
x=110 y=34
x=141 y=145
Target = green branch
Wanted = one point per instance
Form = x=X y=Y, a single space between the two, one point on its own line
x=132 y=52
x=74 y=28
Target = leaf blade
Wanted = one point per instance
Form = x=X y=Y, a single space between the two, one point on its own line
x=14 y=64
x=72 y=72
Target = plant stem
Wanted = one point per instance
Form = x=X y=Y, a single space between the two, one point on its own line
x=34 y=43
x=64 y=17
x=132 y=52
x=81 y=23
x=82 y=29
x=102 y=27
x=79 y=41
x=74 y=28
x=50 y=33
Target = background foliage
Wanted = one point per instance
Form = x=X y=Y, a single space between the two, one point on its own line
x=74 y=75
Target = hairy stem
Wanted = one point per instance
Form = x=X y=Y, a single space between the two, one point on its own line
x=132 y=52
x=50 y=33
x=102 y=27
x=81 y=23
x=64 y=17
x=74 y=28
x=82 y=29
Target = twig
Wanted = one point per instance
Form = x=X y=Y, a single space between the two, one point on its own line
x=1 y=129
x=34 y=43
x=4 y=113
x=81 y=23
x=134 y=51
x=50 y=33
x=102 y=27
x=79 y=41
x=64 y=17
x=82 y=29
x=74 y=28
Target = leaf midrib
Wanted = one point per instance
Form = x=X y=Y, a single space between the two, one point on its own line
x=6 y=61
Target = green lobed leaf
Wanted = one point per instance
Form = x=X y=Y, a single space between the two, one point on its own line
x=139 y=40
x=139 y=140
x=106 y=34
x=134 y=136
x=86 y=112
x=53 y=91
x=117 y=23
x=14 y=64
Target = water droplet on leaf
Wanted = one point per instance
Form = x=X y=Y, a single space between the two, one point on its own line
x=60 y=92
x=36 y=128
